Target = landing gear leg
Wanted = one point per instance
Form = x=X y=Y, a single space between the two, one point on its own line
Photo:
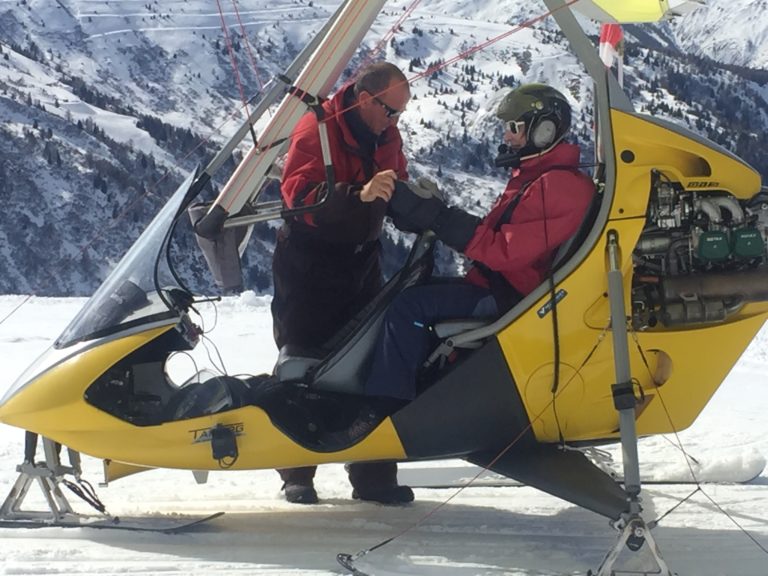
x=634 y=535
x=634 y=531
x=49 y=475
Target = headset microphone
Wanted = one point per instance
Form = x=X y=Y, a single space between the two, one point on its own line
x=507 y=157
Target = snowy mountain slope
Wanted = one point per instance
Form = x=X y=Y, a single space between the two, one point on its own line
x=102 y=103
x=728 y=31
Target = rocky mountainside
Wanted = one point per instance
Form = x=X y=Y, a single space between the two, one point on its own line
x=105 y=106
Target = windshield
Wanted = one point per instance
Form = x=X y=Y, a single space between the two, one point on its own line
x=128 y=296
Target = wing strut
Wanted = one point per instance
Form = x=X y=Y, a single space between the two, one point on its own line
x=633 y=530
x=337 y=43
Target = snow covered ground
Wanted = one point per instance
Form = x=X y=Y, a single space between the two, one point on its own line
x=480 y=531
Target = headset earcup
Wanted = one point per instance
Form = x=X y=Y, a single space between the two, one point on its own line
x=543 y=133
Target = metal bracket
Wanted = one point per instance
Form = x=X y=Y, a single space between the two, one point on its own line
x=637 y=537
x=48 y=474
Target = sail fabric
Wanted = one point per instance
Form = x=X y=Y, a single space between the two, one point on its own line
x=634 y=11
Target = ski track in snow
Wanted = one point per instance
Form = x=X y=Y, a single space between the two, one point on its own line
x=481 y=531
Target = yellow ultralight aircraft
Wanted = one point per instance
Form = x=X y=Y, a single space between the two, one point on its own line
x=671 y=263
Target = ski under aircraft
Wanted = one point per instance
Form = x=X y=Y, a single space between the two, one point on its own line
x=647 y=310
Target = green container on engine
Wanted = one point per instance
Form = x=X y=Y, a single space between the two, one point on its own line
x=748 y=243
x=714 y=246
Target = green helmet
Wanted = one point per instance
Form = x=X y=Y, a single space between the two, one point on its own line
x=545 y=111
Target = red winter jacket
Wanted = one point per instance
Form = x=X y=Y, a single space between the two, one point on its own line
x=522 y=249
x=344 y=217
x=326 y=264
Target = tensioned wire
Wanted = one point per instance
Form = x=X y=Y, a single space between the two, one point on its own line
x=688 y=458
x=151 y=191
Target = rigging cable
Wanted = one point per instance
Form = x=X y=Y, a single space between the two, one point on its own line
x=16 y=309
x=482 y=46
x=391 y=32
x=348 y=560
x=461 y=55
x=247 y=46
x=688 y=458
x=236 y=70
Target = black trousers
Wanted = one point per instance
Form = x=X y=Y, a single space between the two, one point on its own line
x=364 y=476
x=319 y=286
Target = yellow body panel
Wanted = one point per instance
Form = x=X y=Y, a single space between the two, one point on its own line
x=37 y=406
x=654 y=147
x=53 y=406
x=690 y=362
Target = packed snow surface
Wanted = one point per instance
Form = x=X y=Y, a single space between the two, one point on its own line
x=479 y=531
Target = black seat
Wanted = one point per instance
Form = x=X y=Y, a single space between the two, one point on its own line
x=207 y=396
x=342 y=363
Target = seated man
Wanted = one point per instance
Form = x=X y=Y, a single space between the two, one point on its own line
x=513 y=246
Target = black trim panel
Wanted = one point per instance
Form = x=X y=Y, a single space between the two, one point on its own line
x=567 y=474
x=474 y=406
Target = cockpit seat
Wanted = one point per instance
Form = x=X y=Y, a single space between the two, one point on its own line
x=294 y=363
x=448 y=328
x=342 y=363
x=207 y=396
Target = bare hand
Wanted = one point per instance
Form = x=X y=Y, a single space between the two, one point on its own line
x=382 y=185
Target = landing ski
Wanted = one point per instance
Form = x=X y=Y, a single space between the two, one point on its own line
x=157 y=524
x=453 y=477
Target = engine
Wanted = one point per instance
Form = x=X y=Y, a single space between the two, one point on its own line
x=701 y=257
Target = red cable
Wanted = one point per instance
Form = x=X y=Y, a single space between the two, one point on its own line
x=247 y=45
x=427 y=72
x=390 y=34
x=232 y=59
x=311 y=74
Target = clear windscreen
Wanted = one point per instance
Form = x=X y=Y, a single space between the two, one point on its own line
x=129 y=295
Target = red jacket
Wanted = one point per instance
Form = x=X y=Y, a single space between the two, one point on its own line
x=555 y=199
x=344 y=218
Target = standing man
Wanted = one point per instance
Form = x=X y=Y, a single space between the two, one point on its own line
x=326 y=265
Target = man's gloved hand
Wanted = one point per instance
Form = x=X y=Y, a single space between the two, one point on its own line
x=412 y=208
x=455 y=227
x=416 y=207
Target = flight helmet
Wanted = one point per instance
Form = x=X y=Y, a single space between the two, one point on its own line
x=545 y=111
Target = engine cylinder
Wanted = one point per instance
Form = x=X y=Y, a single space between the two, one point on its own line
x=745 y=285
x=693 y=312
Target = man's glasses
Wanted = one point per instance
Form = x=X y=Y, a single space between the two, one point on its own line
x=388 y=110
x=515 y=126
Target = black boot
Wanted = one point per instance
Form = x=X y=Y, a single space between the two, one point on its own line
x=298 y=484
x=300 y=493
x=377 y=482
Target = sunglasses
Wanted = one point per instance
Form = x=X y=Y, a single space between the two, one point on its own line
x=388 y=110
x=515 y=126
